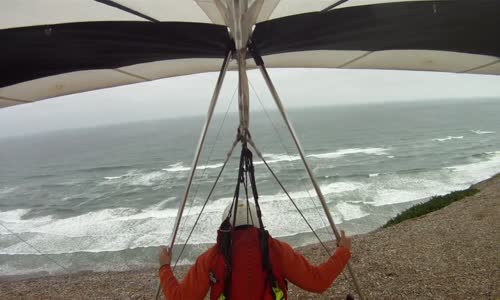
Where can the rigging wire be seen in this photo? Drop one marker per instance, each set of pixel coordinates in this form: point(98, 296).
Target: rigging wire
point(305, 187)
point(327, 250)
point(36, 249)
point(289, 156)
point(209, 156)
point(249, 272)
point(330, 7)
point(288, 195)
point(202, 174)
point(206, 162)
point(296, 207)
point(206, 201)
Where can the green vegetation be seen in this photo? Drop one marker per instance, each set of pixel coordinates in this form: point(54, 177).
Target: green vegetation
point(435, 203)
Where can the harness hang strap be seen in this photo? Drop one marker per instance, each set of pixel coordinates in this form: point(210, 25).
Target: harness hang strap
point(241, 173)
point(227, 229)
point(263, 234)
point(246, 169)
point(251, 171)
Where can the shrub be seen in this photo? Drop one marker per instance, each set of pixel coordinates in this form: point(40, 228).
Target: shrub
point(435, 203)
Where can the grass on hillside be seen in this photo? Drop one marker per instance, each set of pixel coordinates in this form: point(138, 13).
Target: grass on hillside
point(435, 203)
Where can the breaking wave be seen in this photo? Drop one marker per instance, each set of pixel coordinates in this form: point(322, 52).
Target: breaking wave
point(482, 132)
point(137, 178)
point(180, 167)
point(177, 167)
point(118, 229)
point(448, 138)
point(105, 168)
point(276, 158)
point(127, 228)
point(7, 190)
point(344, 152)
point(272, 158)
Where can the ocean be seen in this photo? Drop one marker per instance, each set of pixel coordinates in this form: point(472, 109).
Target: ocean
point(104, 198)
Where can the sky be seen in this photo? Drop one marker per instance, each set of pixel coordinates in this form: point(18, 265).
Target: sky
point(190, 95)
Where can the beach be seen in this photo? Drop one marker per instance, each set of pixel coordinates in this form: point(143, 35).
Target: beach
point(451, 253)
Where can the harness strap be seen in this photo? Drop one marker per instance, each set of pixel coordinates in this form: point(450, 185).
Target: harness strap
point(263, 234)
point(226, 229)
point(246, 171)
point(225, 248)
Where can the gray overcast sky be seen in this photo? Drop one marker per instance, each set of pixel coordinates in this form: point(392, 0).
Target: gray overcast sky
point(190, 95)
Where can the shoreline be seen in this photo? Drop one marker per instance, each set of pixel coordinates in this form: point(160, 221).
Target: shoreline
point(448, 253)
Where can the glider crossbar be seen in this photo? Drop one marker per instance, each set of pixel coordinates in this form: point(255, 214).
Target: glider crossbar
point(201, 142)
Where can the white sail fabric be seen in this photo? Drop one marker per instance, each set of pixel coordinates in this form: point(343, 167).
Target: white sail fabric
point(283, 33)
point(22, 13)
point(81, 81)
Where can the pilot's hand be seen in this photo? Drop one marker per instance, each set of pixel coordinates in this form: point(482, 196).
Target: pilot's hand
point(165, 256)
point(344, 240)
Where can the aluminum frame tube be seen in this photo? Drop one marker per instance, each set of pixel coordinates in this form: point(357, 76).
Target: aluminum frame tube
point(199, 148)
point(201, 142)
point(279, 104)
point(243, 94)
point(228, 157)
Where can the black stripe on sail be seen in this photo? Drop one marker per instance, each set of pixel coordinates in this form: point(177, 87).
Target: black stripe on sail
point(460, 26)
point(34, 52)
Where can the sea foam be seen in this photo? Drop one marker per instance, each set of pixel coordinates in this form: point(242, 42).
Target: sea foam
point(410, 187)
point(350, 151)
point(137, 178)
point(7, 190)
point(448, 138)
point(276, 158)
point(177, 167)
point(180, 167)
point(482, 131)
point(116, 229)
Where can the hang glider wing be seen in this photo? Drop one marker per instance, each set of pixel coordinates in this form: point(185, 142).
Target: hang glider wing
point(59, 47)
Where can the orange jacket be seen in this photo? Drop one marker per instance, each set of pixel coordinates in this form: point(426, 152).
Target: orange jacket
point(294, 266)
